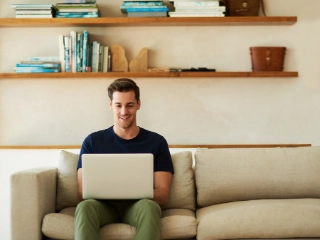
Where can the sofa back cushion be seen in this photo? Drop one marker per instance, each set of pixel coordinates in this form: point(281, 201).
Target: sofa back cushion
point(182, 189)
point(182, 193)
point(67, 182)
point(228, 175)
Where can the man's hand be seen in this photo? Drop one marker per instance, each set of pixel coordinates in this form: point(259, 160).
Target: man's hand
point(162, 186)
point(80, 184)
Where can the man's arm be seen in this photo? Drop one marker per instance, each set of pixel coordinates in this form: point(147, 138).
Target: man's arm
point(80, 184)
point(162, 186)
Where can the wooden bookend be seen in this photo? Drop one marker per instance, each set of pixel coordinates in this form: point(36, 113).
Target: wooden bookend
point(140, 62)
point(119, 60)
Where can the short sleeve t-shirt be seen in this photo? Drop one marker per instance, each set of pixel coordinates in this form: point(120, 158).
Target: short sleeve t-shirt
point(106, 141)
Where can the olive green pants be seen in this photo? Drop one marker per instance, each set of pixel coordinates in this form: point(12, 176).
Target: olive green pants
point(92, 214)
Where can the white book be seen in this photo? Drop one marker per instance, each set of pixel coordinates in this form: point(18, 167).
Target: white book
point(73, 35)
point(33, 11)
point(38, 6)
point(44, 59)
point(222, 8)
point(195, 14)
point(105, 59)
point(194, 3)
point(34, 16)
point(61, 53)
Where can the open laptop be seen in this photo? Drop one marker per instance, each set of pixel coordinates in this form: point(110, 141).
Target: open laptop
point(117, 176)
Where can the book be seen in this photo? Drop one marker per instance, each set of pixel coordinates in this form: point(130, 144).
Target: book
point(216, 9)
point(44, 59)
point(80, 1)
point(195, 14)
point(89, 58)
point(76, 10)
point(39, 65)
point(34, 70)
point(142, 3)
point(34, 6)
point(196, 3)
point(66, 40)
point(78, 53)
point(34, 16)
point(95, 56)
point(147, 14)
point(149, 9)
point(61, 52)
point(101, 55)
point(76, 15)
point(33, 11)
point(73, 36)
point(105, 59)
point(124, 8)
point(85, 37)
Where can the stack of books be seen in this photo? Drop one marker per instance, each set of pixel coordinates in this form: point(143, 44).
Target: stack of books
point(33, 10)
point(78, 55)
point(38, 66)
point(150, 8)
point(77, 9)
point(209, 8)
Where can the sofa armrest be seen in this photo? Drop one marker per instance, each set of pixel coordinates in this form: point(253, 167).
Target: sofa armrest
point(33, 195)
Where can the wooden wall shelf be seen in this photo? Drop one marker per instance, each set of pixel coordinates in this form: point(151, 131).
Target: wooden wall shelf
point(77, 76)
point(172, 146)
point(147, 21)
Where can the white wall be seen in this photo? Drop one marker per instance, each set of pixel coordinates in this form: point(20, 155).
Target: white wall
point(184, 110)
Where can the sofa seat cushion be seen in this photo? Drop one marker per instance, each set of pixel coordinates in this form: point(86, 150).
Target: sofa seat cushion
point(175, 224)
point(279, 218)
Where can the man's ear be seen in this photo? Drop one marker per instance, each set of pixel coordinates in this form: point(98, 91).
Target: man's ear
point(110, 104)
point(139, 104)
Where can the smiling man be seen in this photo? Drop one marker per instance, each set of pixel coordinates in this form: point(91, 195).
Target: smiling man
point(125, 136)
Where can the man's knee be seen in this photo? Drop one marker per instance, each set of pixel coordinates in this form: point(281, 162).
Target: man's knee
point(147, 206)
point(86, 206)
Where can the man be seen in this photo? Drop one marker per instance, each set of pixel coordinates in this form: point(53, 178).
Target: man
point(125, 137)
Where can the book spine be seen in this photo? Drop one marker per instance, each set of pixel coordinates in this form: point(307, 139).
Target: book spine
point(89, 58)
point(109, 61)
point(67, 53)
point(164, 9)
point(78, 53)
point(73, 35)
point(61, 53)
point(105, 59)
point(84, 52)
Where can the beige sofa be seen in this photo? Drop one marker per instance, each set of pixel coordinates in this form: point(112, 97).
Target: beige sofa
point(230, 194)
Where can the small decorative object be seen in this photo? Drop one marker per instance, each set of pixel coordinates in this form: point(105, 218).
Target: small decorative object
point(119, 60)
point(140, 62)
point(244, 7)
point(267, 58)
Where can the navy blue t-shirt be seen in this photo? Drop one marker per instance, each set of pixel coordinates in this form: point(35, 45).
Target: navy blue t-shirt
point(106, 141)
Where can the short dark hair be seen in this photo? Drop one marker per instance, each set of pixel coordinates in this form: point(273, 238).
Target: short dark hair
point(124, 85)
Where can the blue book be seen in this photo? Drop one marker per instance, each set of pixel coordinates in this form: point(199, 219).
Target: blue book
point(48, 65)
point(142, 3)
point(37, 70)
point(66, 53)
point(73, 35)
point(149, 9)
point(78, 61)
point(84, 51)
point(77, 16)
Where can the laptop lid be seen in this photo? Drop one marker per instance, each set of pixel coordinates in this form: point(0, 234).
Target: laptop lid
point(117, 176)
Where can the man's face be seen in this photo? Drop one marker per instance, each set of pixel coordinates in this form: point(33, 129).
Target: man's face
point(124, 106)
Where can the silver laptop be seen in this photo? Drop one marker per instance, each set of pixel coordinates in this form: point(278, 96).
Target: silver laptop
point(117, 176)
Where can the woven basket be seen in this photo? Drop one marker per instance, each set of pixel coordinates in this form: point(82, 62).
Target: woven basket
point(267, 58)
